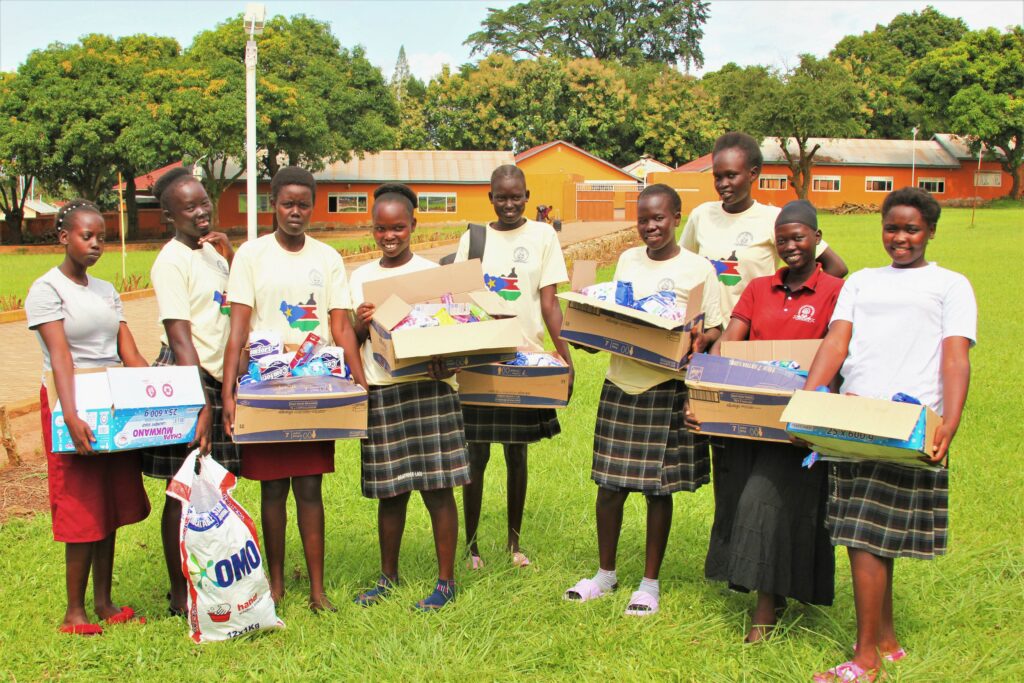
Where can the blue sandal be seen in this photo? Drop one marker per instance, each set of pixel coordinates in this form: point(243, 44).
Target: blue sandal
point(377, 593)
point(444, 592)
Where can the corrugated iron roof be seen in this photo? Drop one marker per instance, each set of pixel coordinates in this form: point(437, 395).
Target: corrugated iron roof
point(698, 165)
point(863, 152)
point(526, 154)
point(644, 165)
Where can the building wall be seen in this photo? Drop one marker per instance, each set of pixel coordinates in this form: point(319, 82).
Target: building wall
point(958, 183)
point(693, 188)
point(564, 160)
point(471, 204)
point(557, 190)
point(151, 224)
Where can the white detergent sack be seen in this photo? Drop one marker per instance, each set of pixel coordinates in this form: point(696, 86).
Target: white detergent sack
point(228, 592)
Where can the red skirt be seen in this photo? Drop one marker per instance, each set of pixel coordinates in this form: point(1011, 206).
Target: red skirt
point(91, 496)
point(269, 461)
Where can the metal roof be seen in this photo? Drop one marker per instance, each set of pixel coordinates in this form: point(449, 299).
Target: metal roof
point(644, 165)
point(863, 152)
point(537, 149)
point(698, 165)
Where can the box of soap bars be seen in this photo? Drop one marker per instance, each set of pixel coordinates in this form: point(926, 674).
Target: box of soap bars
point(532, 379)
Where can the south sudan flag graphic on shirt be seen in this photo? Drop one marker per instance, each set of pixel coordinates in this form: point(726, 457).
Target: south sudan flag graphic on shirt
point(505, 286)
point(222, 301)
point(727, 269)
point(301, 316)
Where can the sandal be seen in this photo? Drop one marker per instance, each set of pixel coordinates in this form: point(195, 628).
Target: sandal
point(894, 656)
point(847, 672)
point(475, 562)
point(444, 593)
point(641, 604)
point(124, 616)
point(377, 593)
point(82, 629)
point(520, 560)
point(585, 590)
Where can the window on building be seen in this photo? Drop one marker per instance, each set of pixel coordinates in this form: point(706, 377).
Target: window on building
point(933, 185)
point(437, 202)
point(262, 203)
point(878, 184)
point(346, 202)
point(988, 179)
point(825, 183)
point(773, 182)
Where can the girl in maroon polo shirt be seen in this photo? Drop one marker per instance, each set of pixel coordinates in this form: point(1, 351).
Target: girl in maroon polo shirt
point(772, 537)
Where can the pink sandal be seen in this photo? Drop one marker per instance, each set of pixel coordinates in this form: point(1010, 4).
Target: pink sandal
point(642, 604)
point(585, 590)
point(520, 560)
point(894, 656)
point(847, 672)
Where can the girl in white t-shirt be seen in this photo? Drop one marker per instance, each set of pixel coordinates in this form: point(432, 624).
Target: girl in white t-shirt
point(523, 264)
point(905, 328)
point(641, 443)
point(415, 439)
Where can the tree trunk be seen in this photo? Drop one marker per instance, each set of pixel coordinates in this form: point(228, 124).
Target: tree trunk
point(131, 207)
point(14, 220)
point(271, 160)
point(1015, 173)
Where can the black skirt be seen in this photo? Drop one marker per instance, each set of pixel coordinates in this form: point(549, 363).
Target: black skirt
point(494, 424)
point(769, 530)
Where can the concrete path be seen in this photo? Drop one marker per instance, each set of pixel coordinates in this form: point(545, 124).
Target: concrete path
point(23, 365)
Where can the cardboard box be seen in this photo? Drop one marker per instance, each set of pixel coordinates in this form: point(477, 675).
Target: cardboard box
point(735, 395)
point(843, 427)
point(514, 385)
point(407, 352)
point(300, 409)
point(130, 408)
point(624, 331)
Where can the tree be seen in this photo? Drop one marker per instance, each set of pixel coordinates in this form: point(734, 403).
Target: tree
point(975, 88)
point(676, 118)
point(816, 99)
point(632, 31)
point(21, 152)
point(409, 93)
point(879, 60)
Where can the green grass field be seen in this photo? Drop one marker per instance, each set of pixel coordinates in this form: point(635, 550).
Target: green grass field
point(957, 616)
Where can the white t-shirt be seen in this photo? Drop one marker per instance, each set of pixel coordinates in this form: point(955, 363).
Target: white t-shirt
point(368, 272)
point(92, 316)
point(517, 264)
point(191, 285)
point(289, 292)
point(679, 274)
point(740, 246)
point(900, 317)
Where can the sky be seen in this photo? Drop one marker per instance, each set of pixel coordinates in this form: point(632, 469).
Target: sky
point(747, 32)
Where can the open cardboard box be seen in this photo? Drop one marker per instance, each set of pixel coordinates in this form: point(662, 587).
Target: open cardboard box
point(843, 427)
point(407, 352)
point(497, 384)
point(735, 395)
point(130, 408)
point(624, 331)
point(300, 409)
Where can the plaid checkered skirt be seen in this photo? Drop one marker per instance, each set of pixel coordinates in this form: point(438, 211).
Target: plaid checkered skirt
point(640, 443)
point(498, 424)
point(415, 440)
point(165, 461)
point(888, 510)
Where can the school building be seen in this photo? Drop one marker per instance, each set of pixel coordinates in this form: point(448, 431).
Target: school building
point(857, 171)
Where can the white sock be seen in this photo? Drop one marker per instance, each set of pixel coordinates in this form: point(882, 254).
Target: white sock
point(651, 587)
point(605, 579)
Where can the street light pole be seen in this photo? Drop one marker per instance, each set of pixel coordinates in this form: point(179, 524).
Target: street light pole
point(254, 18)
point(913, 158)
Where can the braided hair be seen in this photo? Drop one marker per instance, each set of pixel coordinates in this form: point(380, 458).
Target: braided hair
point(62, 222)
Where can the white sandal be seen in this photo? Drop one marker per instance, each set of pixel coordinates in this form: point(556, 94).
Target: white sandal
point(585, 590)
point(642, 604)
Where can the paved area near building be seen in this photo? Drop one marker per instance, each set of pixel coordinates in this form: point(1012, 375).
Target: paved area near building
point(23, 365)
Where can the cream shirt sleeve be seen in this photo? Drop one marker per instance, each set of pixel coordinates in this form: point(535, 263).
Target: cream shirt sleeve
point(553, 270)
point(241, 286)
point(339, 296)
point(170, 282)
point(43, 304)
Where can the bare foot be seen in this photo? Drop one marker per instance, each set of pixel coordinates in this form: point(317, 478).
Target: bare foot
point(321, 603)
point(75, 616)
point(106, 610)
point(276, 596)
point(759, 632)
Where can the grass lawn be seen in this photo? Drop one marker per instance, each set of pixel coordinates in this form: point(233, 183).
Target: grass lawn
point(958, 616)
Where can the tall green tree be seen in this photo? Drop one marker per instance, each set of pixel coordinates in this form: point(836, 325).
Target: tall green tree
point(632, 31)
point(676, 118)
point(409, 93)
point(22, 149)
point(975, 88)
point(817, 99)
point(879, 61)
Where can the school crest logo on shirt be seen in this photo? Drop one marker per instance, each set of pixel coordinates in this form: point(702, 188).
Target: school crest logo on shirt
point(666, 285)
point(744, 239)
point(301, 316)
point(805, 314)
point(316, 278)
point(221, 298)
point(520, 255)
point(505, 286)
point(727, 269)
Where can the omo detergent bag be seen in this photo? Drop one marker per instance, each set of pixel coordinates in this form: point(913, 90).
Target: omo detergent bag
point(228, 592)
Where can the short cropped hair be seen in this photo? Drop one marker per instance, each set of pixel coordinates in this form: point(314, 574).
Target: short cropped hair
point(916, 198)
point(674, 202)
point(743, 142)
point(292, 175)
point(508, 171)
point(395, 192)
point(164, 183)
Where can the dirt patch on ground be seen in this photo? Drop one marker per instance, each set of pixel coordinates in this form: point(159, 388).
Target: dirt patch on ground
point(23, 489)
point(604, 250)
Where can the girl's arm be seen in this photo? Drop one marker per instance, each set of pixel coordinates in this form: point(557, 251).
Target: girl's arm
point(738, 330)
point(832, 263)
point(956, 378)
point(64, 379)
point(179, 337)
point(361, 321)
point(127, 350)
point(345, 337)
point(551, 311)
point(221, 243)
point(241, 316)
point(830, 356)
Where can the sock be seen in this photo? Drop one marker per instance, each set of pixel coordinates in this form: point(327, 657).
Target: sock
point(605, 579)
point(651, 587)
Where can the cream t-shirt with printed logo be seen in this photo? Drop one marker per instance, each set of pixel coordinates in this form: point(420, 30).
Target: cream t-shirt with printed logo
point(191, 285)
point(517, 264)
point(289, 292)
point(740, 246)
point(679, 274)
point(369, 272)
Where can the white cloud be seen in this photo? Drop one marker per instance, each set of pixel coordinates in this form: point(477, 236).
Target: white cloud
point(426, 65)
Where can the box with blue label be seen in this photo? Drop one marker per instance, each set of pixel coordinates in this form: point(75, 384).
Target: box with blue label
point(843, 427)
point(740, 395)
point(130, 408)
point(524, 386)
point(300, 409)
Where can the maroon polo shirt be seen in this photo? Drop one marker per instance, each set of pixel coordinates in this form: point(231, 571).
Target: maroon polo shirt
point(775, 312)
